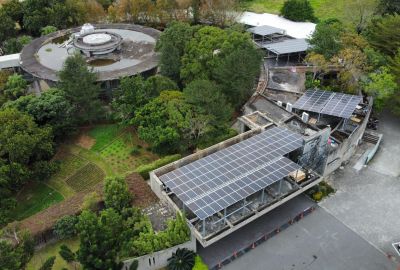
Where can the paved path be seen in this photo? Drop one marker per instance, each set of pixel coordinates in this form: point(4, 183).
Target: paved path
point(319, 241)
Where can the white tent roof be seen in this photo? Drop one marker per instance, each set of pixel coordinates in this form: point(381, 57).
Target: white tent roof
point(9, 61)
point(293, 29)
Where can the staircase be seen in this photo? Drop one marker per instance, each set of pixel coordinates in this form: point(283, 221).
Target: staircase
point(370, 137)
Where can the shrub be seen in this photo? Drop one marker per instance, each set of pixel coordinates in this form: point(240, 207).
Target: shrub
point(182, 259)
point(116, 193)
point(135, 151)
point(48, 264)
point(144, 170)
point(48, 30)
point(91, 201)
point(199, 264)
point(134, 265)
point(65, 227)
point(298, 10)
point(317, 196)
point(67, 254)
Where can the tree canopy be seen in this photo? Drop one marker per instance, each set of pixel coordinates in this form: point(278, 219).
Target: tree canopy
point(298, 11)
point(116, 193)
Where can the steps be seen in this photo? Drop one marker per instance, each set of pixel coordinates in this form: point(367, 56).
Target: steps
point(370, 137)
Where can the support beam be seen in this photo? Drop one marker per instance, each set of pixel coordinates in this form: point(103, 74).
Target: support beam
point(280, 186)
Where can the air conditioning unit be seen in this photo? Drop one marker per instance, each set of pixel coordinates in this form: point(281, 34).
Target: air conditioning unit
point(279, 103)
point(305, 116)
point(289, 107)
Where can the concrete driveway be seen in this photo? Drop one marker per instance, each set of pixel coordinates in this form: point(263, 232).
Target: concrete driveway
point(368, 201)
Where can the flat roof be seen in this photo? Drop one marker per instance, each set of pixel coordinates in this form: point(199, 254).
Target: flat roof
point(293, 29)
point(9, 60)
point(219, 180)
point(288, 46)
point(329, 103)
point(266, 30)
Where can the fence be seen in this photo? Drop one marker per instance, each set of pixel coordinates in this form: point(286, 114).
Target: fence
point(262, 239)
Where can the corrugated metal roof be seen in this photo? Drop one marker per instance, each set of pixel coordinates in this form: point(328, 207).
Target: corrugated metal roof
point(288, 46)
point(266, 30)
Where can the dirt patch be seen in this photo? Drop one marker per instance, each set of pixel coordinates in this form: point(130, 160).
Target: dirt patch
point(143, 196)
point(85, 141)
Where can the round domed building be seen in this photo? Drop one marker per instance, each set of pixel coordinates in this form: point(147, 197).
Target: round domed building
point(112, 50)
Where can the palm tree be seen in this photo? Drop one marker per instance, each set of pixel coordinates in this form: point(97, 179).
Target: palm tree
point(182, 259)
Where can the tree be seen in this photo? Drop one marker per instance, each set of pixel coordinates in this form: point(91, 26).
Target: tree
point(99, 240)
point(360, 13)
point(65, 227)
point(182, 259)
point(14, 9)
point(298, 11)
point(382, 34)
point(50, 108)
point(389, 7)
point(79, 85)
point(163, 121)
point(209, 100)
point(221, 13)
point(67, 254)
point(326, 38)
point(16, 254)
point(7, 27)
point(15, 45)
point(25, 150)
point(48, 30)
point(381, 85)
point(48, 264)
point(15, 87)
point(134, 92)
point(116, 193)
point(171, 46)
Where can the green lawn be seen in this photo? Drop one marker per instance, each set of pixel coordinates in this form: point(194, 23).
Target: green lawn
point(34, 198)
point(103, 134)
point(323, 8)
point(52, 250)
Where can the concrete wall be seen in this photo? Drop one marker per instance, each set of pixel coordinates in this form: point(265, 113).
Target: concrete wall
point(349, 146)
point(159, 259)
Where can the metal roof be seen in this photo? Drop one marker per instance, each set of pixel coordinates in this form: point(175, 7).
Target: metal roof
point(266, 30)
point(288, 46)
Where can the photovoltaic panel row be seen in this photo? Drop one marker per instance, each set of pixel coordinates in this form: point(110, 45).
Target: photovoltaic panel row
point(313, 101)
point(341, 105)
point(218, 169)
point(244, 186)
point(330, 103)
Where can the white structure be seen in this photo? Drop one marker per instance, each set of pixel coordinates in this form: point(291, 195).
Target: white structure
point(9, 61)
point(293, 29)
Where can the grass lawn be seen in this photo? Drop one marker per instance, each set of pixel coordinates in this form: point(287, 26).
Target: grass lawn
point(104, 134)
point(323, 9)
point(34, 198)
point(52, 250)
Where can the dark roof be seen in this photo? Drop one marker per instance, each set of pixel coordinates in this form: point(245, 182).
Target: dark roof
point(266, 30)
point(288, 46)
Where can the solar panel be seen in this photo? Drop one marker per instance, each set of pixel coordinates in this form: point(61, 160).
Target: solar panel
point(224, 177)
point(342, 105)
point(330, 103)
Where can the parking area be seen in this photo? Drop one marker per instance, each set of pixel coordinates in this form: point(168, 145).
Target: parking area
point(319, 241)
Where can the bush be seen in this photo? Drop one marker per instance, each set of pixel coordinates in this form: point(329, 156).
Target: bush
point(135, 151)
point(182, 259)
point(91, 201)
point(144, 170)
point(65, 227)
point(48, 30)
point(317, 196)
point(67, 254)
point(134, 265)
point(199, 264)
point(48, 264)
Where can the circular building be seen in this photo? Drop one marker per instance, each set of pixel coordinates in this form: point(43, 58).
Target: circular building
point(112, 50)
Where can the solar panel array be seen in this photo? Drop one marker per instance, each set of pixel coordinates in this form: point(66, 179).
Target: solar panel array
point(330, 103)
point(210, 184)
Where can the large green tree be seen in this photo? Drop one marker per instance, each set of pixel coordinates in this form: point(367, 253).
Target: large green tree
point(134, 92)
point(15, 87)
point(15, 254)
point(116, 193)
point(172, 45)
point(383, 34)
point(81, 89)
point(14, 9)
point(99, 240)
point(51, 108)
point(7, 27)
point(298, 11)
point(326, 38)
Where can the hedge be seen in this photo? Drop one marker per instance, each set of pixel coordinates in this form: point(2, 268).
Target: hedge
point(144, 170)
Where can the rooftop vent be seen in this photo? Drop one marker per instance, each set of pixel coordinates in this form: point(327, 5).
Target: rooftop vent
point(279, 103)
point(305, 116)
point(289, 107)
